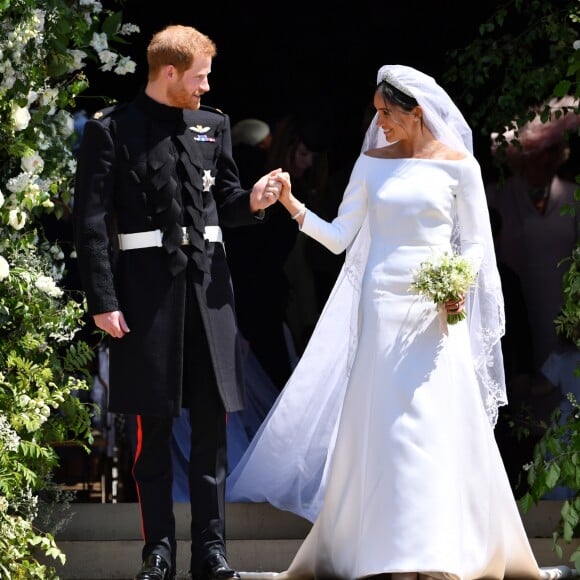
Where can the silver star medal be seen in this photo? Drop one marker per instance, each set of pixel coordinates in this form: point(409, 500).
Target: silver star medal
point(208, 179)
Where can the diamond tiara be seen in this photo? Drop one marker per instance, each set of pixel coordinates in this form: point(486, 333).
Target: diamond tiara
point(390, 78)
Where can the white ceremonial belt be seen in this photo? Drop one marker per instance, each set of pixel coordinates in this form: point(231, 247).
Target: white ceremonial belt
point(140, 240)
point(213, 234)
point(154, 238)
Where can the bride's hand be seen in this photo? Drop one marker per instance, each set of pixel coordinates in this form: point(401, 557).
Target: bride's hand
point(455, 306)
point(295, 207)
point(283, 179)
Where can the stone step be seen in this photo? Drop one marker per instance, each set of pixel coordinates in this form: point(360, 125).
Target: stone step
point(119, 559)
point(121, 521)
point(103, 541)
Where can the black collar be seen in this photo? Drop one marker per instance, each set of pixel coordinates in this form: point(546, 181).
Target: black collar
point(158, 110)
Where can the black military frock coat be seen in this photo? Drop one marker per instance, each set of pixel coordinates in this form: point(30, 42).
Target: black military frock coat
point(146, 166)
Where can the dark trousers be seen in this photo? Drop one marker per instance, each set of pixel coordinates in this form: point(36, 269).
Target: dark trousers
point(152, 469)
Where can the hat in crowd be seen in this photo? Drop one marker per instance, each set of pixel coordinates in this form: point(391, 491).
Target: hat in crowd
point(249, 132)
point(538, 134)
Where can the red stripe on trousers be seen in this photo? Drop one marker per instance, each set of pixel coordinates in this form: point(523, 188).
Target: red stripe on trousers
point(137, 454)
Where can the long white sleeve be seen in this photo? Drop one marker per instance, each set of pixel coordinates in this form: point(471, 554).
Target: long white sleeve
point(472, 214)
point(338, 234)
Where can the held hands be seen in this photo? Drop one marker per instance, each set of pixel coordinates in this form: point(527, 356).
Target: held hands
point(276, 186)
point(285, 196)
point(295, 207)
point(113, 323)
point(265, 191)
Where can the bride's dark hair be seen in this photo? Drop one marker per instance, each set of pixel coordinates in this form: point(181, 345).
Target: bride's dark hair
point(392, 94)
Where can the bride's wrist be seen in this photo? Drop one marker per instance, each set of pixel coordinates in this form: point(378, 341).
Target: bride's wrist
point(297, 211)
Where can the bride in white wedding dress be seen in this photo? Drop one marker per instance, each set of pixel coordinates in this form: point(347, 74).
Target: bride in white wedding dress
point(383, 436)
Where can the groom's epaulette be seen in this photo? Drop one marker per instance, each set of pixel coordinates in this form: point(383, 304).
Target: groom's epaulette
point(211, 109)
point(107, 111)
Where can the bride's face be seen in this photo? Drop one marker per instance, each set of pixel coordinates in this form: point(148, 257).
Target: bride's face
point(395, 122)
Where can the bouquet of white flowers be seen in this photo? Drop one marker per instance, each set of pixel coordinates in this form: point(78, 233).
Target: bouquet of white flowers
point(443, 278)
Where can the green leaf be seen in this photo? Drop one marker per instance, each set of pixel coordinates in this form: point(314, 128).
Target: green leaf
point(526, 502)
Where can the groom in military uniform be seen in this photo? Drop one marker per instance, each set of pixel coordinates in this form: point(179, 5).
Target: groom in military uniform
point(155, 181)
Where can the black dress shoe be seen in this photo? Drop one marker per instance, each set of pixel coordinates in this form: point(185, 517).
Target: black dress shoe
point(154, 568)
point(217, 568)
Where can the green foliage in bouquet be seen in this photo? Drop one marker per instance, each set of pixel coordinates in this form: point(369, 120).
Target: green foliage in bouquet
point(443, 278)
